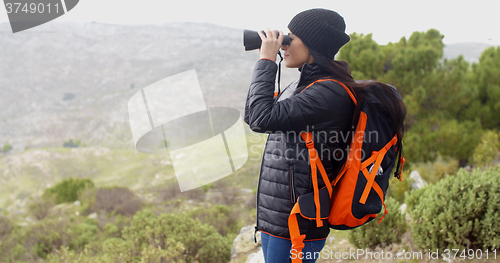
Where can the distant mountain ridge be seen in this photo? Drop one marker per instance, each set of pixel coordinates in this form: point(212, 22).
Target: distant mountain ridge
point(66, 80)
point(71, 80)
point(471, 51)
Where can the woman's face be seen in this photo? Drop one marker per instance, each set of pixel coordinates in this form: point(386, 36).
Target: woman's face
point(296, 54)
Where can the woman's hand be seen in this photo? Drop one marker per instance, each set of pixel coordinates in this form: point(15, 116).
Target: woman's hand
point(270, 44)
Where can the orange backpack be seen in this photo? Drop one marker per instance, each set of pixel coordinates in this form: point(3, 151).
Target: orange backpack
point(356, 195)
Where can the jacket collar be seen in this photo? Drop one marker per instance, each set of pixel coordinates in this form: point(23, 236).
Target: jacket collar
point(309, 73)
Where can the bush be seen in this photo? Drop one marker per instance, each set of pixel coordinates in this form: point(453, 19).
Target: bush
point(457, 139)
point(196, 194)
point(487, 151)
point(113, 225)
point(449, 138)
point(6, 148)
point(225, 193)
point(434, 171)
point(71, 144)
point(168, 193)
point(202, 243)
point(6, 227)
point(10, 249)
point(223, 218)
point(172, 192)
point(68, 190)
point(397, 189)
point(119, 250)
point(116, 253)
point(459, 211)
point(389, 231)
point(82, 233)
point(151, 238)
point(119, 200)
point(40, 207)
point(37, 241)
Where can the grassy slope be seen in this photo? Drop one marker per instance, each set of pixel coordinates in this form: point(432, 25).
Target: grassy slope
point(30, 172)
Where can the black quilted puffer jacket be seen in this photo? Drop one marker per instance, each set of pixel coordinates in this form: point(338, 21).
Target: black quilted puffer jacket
point(326, 110)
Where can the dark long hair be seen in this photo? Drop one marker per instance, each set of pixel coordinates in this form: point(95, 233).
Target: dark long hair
point(391, 101)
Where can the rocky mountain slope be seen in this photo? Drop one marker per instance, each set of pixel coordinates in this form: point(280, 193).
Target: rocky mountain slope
point(65, 81)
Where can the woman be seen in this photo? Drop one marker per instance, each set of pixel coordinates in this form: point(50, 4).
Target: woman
point(325, 109)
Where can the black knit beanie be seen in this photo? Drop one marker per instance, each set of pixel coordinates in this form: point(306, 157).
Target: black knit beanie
point(321, 30)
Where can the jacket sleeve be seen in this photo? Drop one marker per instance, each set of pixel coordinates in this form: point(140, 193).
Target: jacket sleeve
point(319, 107)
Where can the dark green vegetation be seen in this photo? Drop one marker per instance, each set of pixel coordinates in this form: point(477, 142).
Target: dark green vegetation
point(390, 230)
point(71, 144)
point(6, 148)
point(113, 224)
point(460, 211)
point(450, 103)
point(68, 190)
point(86, 218)
point(452, 122)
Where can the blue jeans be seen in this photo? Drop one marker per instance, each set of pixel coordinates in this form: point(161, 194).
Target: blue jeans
point(277, 250)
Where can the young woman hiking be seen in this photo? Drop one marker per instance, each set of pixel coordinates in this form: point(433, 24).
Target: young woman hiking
point(325, 109)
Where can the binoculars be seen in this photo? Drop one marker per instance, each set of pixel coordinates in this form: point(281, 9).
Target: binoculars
point(251, 39)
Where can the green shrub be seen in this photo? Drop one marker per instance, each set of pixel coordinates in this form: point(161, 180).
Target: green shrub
point(113, 225)
point(43, 237)
point(10, 249)
point(34, 242)
point(457, 139)
point(434, 171)
point(82, 233)
point(448, 138)
point(202, 243)
point(64, 254)
point(486, 151)
point(223, 218)
point(228, 193)
point(68, 190)
point(141, 246)
point(119, 250)
point(6, 148)
point(397, 189)
point(111, 230)
point(207, 187)
point(71, 144)
point(459, 211)
point(6, 227)
point(40, 207)
point(389, 231)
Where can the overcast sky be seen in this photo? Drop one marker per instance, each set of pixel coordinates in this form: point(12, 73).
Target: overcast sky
point(388, 20)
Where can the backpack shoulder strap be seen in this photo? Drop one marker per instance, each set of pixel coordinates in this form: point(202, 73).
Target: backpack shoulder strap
point(349, 90)
point(314, 159)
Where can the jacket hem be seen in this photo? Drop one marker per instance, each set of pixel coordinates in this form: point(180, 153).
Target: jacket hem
point(316, 239)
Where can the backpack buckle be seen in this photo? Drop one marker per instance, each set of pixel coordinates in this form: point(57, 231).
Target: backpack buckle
point(310, 145)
